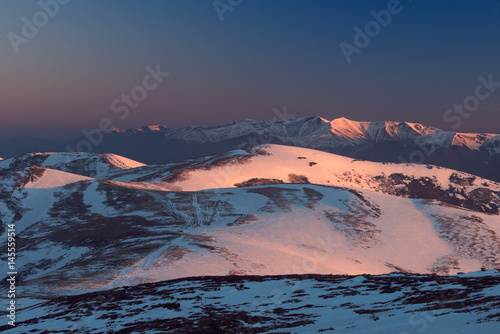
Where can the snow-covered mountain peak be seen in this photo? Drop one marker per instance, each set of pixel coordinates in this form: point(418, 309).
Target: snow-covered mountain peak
point(304, 131)
point(474, 141)
point(95, 165)
point(422, 129)
point(45, 178)
point(323, 119)
point(144, 129)
point(380, 130)
point(344, 127)
point(390, 141)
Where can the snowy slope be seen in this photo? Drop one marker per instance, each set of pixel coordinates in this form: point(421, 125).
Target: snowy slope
point(274, 210)
point(51, 178)
point(97, 165)
point(283, 164)
point(120, 235)
point(320, 230)
point(277, 162)
point(280, 304)
point(235, 213)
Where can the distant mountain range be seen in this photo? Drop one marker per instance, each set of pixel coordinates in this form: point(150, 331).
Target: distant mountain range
point(380, 141)
point(385, 141)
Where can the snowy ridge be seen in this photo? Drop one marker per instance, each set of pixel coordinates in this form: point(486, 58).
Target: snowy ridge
point(144, 129)
point(271, 164)
point(293, 304)
point(379, 131)
point(96, 165)
point(302, 132)
point(51, 178)
point(475, 141)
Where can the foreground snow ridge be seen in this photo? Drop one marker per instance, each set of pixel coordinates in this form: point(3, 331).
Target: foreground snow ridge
point(394, 303)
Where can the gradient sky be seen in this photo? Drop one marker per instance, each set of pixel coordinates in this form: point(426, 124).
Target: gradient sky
point(265, 54)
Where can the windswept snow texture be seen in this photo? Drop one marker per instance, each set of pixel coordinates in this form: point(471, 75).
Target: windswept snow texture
point(393, 303)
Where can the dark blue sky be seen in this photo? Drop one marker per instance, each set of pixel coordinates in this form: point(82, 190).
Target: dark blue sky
point(265, 54)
